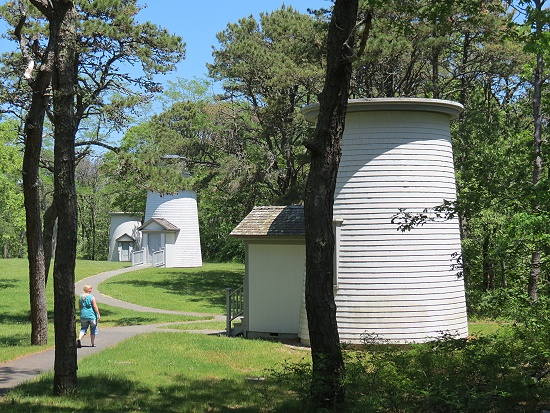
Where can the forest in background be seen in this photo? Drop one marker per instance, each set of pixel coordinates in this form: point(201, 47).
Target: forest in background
point(245, 145)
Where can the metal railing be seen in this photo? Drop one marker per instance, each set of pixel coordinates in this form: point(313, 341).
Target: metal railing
point(157, 258)
point(138, 257)
point(234, 301)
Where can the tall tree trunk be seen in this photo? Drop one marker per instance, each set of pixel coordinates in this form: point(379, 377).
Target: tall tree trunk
point(63, 86)
point(50, 217)
point(21, 241)
point(462, 215)
point(488, 269)
point(94, 232)
point(328, 366)
point(534, 274)
point(436, 51)
point(33, 131)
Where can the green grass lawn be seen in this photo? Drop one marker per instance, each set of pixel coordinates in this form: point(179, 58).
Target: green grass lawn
point(170, 372)
point(480, 327)
point(15, 308)
point(160, 372)
point(182, 289)
point(164, 371)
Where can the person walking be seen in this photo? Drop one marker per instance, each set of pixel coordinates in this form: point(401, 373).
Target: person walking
point(89, 315)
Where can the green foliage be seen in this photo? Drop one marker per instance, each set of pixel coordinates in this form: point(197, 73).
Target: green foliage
point(111, 40)
point(240, 152)
point(12, 213)
point(501, 372)
point(428, 48)
point(276, 66)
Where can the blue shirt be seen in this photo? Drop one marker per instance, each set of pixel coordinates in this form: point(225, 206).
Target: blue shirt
point(87, 310)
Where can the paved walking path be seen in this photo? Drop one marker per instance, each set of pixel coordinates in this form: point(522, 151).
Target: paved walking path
point(15, 372)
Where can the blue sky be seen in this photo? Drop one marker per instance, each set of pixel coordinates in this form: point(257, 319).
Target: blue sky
point(197, 22)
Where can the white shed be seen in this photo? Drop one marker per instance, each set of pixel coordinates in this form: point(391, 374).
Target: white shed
point(275, 266)
point(124, 236)
point(397, 286)
point(172, 224)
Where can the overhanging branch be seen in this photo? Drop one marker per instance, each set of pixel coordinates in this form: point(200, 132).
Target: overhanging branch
point(115, 149)
point(366, 24)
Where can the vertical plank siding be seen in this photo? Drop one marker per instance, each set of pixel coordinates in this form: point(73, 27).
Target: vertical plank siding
point(274, 299)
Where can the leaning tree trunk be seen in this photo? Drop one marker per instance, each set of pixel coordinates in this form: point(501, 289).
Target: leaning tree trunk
point(63, 86)
point(328, 366)
point(33, 131)
point(50, 218)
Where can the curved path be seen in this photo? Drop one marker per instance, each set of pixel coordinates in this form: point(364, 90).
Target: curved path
point(15, 372)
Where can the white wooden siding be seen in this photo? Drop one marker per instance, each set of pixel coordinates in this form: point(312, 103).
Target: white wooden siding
point(275, 290)
point(181, 210)
point(123, 223)
point(399, 286)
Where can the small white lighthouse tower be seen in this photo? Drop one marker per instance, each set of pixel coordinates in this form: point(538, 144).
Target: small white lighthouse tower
point(398, 286)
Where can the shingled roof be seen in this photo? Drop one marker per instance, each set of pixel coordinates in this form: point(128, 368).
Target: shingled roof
point(272, 220)
point(163, 223)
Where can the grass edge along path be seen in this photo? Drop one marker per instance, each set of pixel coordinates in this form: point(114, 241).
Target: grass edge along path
point(198, 290)
point(179, 372)
point(14, 307)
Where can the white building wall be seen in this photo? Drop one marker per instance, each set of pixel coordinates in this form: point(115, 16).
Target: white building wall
point(170, 252)
point(123, 223)
point(181, 210)
point(275, 290)
point(397, 285)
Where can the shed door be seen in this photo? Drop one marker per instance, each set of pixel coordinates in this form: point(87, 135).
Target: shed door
point(124, 251)
point(154, 243)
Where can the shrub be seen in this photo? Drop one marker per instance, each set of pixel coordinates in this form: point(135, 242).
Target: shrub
point(502, 372)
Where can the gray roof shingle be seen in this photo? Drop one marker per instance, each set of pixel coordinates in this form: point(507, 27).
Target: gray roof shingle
point(272, 220)
point(164, 224)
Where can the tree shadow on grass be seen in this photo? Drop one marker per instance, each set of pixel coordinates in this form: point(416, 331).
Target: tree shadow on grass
point(121, 319)
point(115, 319)
point(14, 340)
point(9, 283)
point(104, 394)
point(22, 317)
point(201, 285)
point(95, 394)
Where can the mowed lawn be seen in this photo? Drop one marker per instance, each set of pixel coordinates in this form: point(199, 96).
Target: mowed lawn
point(199, 290)
point(171, 372)
point(158, 372)
point(165, 371)
point(15, 324)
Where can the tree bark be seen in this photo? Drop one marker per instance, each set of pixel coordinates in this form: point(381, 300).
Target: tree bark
point(63, 87)
point(33, 132)
point(488, 268)
point(534, 273)
point(50, 218)
point(328, 366)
